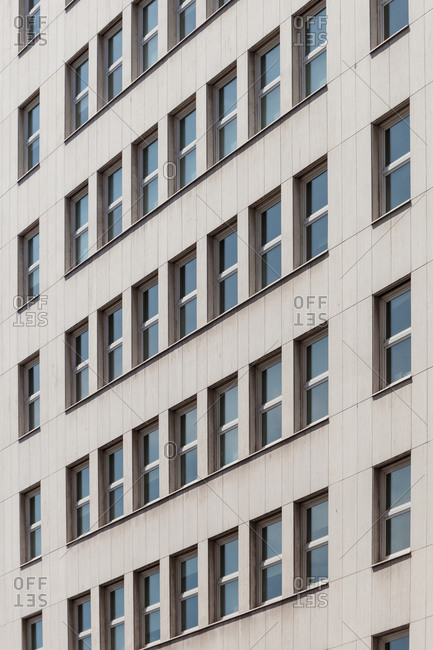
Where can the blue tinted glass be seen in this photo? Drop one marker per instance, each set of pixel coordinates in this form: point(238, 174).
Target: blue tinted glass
point(81, 77)
point(229, 599)
point(271, 540)
point(36, 634)
point(34, 414)
point(398, 314)
point(271, 383)
point(188, 427)
point(398, 361)
point(151, 586)
point(228, 138)
point(150, 300)
point(114, 186)
point(317, 237)
point(229, 446)
point(396, 16)
point(34, 381)
point(398, 644)
point(151, 447)
point(188, 317)
point(118, 637)
point(81, 212)
point(317, 521)
point(228, 251)
point(115, 82)
point(115, 325)
point(35, 508)
point(316, 31)
point(188, 466)
point(189, 575)
point(188, 278)
point(398, 187)
point(397, 140)
point(398, 487)
point(271, 425)
point(187, 21)
point(316, 74)
point(83, 483)
point(84, 613)
point(115, 363)
point(83, 519)
point(152, 627)
point(82, 384)
point(150, 341)
point(187, 130)
point(150, 196)
point(33, 120)
point(187, 168)
point(271, 266)
point(271, 582)
point(270, 66)
point(227, 98)
point(317, 402)
point(81, 247)
point(33, 250)
point(82, 347)
point(271, 224)
point(35, 543)
point(189, 613)
point(115, 47)
point(317, 564)
point(116, 466)
point(116, 503)
point(229, 558)
point(151, 485)
point(33, 153)
point(150, 158)
point(82, 111)
point(317, 193)
point(270, 107)
point(398, 533)
point(150, 16)
point(317, 358)
point(150, 52)
point(229, 292)
point(229, 406)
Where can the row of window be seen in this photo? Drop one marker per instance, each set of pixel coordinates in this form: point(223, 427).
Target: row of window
point(392, 530)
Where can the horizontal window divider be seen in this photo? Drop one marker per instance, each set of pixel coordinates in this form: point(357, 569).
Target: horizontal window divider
point(397, 338)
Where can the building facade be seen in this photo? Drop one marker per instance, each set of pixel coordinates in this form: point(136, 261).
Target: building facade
point(215, 323)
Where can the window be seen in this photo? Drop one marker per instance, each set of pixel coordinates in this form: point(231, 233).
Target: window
point(80, 227)
point(114, 469)
point(151, 606)
point(395, 507)
point(394, 15)
point(114, 62)
point(187, 445)
point(114, 343)
point(269, 86)
point(221, 3)
point(116, 617)
point(396, 336)
point(34, 639)
point(149, 321)
point(113, 210)
point(270, 401)
point(316, 379)
point(149, 40)
point(80, 82)
point(149, 182)
point(149, 459)
point(269, 560)
point(33, 20)
point(32, 392)
point(396, 641)
point(81, 624)
point(81, 491)
point(269, 230)
point(227, 425)
point(33, 524)
point(226, 118)
point(227, 562)
point(315, 42)
point(187, 590)
point(31, 257)
point(227, 277)
point(187, 148)
point(81, 364)
point(187, 302)
point(316, 214)
point(32, 135)
point(396, 163)
point(186, 11)
point(315, 544)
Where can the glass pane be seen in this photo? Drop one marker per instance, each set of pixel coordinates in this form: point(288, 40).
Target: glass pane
point(397, 140)
point(317, 564)
point(36, 635)
point(81, 347)
point(81, 111)
point(151, 485)
point(115, 464)
point(151, 589)
point(398, 533)
point(398, 487)
point(271, 266)
point(398, 314)
point(114, 223)
point(33, 250)
point(227, 98)
point(229, 558)
point(229, 598)
point(115, 48)
point(34, 415)
point(189, 613)
point(150, 52)
point(317, 358)
point(271, 425)
point(33, 121)
point(188, 467)
point(187, 168)
point(188, 278)
point(114, 186)
point(188, 427)
point(316, 29)
point(115, 503)
point(81, 212)
point(315, 73)
point(85, 643)
point(271, 582)
point(317, 521)
point(187, 130)
point(33, 153)
point(115, 363)
point(150, 159)
point(271, 540)
point(35, 508)
point(398, 361)
point(189, 575)
point(34, 379)
point(151, 447)
point(229, 446)
point(150, 16)
point(229, 292)
point(317, 402)
point(270, 66)
point(150, 196)
point(317, 237)
point(84, 622)
point(150, 341)
point(83, 483)
point(228, 406)
point(33, 284)
point(83, 519)
point(35, 543)
point(398, 644)
point(228, 251)
point(187, 21)
point(81, 77)
point(317, 193)
point(270, 107)
point(81, 247)
point(150, 302)
point(117, 638)
point(228, 138)
point(398, 187)
point(271, 224)
point(114, 82)
point(152, 627)
point(115, 326)
point(82, 384)
point(396, 16)
point(271, 382)
point(34, 24)
point(188, 317)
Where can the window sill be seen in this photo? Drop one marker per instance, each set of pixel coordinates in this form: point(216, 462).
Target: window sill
point(313, 425)
point(402, 555)
point(384, 44)
point(309, 98)
point(399, 208)
point(28, 434)
point(28, 173)
point(29, 44)
point(31, 562)
point(28, 303)
point(322, 584)
point(69, 4)
point(393, 386)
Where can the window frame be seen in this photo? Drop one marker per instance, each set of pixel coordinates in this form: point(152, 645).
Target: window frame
point(317, 543)
point(398, 115)
point(221, 581)
point(221, 123)
point(109, 348)
point(185, 595)
point(262, 92)
point(262, 249)
point(28, 634)
point(85, 634)
point(77, 98)
point(30, 399)
point(28, 269)
point(78, 369)
point(307, 221)
point(150, 322)
point(387, 343)
point(229, 426)
point(146, 469)
point(392, 512)
point(146, 38)
point(110, 207)
point(267, 406)
point(76, 233)
point(392, 636)
point(308, 385)
point(190, 446)
point(79, 503)
point(109, 69)
point(381, 21)
point(193, 295)
point(222, 276)
point(111, 487)
point(32, 527)
point(30, 14)
point(314, 54)
point(148, 609)
point(30, 139)
point(182, 5)
point(147, 180)
point(182, 153)
point(261, 564)
point(113, 623)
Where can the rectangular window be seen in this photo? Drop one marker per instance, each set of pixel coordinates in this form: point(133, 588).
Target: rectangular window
point(227, 425)
point(149, 39)
point(315, 43)
point(116, 617)
point(396, 641)
point(114, 343)
point(81, 364)
point(187, 301)
point(269, 86)
point(270, 401)
point(114, 469)
point(315, 545)
point(149, 181)
point(187, 148)
point(269, 560)
point(396, 162)
point(114, 62)
point(149, 460)
point(227, 277)
point(32, 392)
point(31, 260)
point(227, 562)
point(394, 15)
point(31, 116)
point(395, 507)
point(149, 321)
point(34, 639)
point(316, 215)
point(226, 118)
point(151, 606)
point(269, 231)
point(80, 227)
point(396, 335)
point(316, 379)
point(113, 203)
point(82, 624)
point(187, 591)
point(187, 445)
point(81, 488)
point(33, 19)
point(186, 11)
point(80, 80)
point(33, 524)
